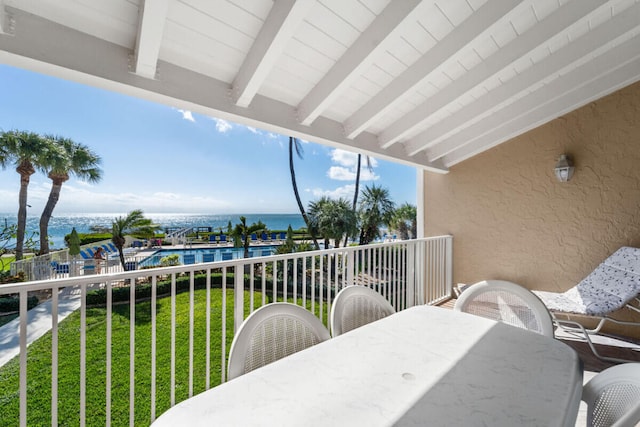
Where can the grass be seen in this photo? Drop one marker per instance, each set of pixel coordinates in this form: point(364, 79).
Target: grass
point(39, 362)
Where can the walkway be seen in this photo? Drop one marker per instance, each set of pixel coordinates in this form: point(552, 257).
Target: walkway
point(38, 323)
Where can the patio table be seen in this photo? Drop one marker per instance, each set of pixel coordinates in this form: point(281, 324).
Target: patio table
point(422, 366)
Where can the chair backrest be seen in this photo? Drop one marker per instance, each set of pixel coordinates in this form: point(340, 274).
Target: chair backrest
point(614, 283)
point(506, 302)
point(355, 306)
point(272, 332)
point(613, 397)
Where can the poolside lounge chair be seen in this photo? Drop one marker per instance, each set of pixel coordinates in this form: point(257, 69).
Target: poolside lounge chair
point(264, 237)
point(212, 238)
point(254, 238)
point(223, 238)
point(614, 285)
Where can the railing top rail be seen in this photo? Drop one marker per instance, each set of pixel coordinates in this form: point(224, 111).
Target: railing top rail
point(118, 276)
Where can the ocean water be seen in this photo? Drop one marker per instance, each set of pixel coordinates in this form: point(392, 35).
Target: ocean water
point(59, 226)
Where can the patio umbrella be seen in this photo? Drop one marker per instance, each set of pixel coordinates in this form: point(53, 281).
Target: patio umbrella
point(74, 250)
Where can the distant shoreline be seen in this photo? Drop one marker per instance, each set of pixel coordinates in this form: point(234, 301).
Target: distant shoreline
point(61, 225)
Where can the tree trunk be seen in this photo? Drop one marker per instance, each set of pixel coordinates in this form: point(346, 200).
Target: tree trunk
point(25, 169)
point(295, 191)
point(54, 196)
point(357, 190)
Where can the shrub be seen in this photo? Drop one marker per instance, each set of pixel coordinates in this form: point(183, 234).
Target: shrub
point(98, 297)
point(170, 260)
point(12, 303)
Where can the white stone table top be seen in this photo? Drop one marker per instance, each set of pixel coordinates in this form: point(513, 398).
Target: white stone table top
point(421, 366)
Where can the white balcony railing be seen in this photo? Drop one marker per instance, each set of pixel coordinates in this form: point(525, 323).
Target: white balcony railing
point(406, 272)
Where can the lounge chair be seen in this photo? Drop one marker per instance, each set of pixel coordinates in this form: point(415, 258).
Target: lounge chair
point(223, 238)
point(264, 237)
point(614, 285)
point(254, 238)
point(212, 238)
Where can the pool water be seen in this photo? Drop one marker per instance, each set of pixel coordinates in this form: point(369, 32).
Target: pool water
point(206, 254)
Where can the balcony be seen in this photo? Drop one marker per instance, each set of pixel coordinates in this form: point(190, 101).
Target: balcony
point(131, 362)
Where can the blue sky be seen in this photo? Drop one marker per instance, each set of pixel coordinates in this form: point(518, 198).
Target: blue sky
point(164, 160)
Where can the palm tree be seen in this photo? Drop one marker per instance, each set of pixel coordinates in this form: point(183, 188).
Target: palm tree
point(242, 230)
point(293, 142)
point(133, 224)
point(404, 221)
point(376, 209)
point(27, 150)
point(333, 219)
point(65, 157)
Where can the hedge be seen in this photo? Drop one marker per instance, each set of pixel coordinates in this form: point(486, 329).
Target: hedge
point(98, 297)
point(11, 304)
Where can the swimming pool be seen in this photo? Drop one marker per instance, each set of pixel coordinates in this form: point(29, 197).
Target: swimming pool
point(199, 255)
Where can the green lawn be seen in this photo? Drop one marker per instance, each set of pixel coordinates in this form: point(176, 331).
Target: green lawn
point(39, 362)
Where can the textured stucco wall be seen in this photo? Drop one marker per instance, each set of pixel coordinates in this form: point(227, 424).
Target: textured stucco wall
point(512, 220)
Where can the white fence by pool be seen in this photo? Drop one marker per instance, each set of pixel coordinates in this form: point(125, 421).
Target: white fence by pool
point(194, 310)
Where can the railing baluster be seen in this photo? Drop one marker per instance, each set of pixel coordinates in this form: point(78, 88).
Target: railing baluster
point(54, 357)
point(207, 374)
point(191, 329)
point(264, 283)
point(223, 340)
point(108, 352)
point(251, 288)
point(23, 357)
point(173, 339)
point(295, 280)
point(153, 347)
point(83, 354)
point(132, 350)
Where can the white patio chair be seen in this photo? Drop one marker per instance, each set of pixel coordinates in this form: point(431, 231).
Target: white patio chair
point(614, 285)
point(506, 302)
point(613, 397)
point(355, 306)
point(272, 332)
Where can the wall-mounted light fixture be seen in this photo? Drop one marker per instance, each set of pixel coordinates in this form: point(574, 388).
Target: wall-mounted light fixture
point(564, 168)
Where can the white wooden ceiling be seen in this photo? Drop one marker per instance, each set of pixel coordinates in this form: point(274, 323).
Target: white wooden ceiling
point(425, 83)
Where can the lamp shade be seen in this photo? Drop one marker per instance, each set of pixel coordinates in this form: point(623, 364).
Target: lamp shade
point(564, 168)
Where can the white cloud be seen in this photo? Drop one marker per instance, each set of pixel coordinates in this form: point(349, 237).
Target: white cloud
point(340, 173)
point(344, 158)
point(186, 114)
point(253, 130)
point(345, 191)
point(222, 126)
point(272, 135)
point(348, 164)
